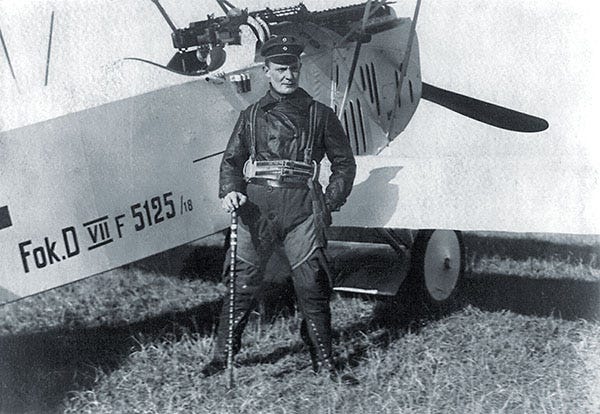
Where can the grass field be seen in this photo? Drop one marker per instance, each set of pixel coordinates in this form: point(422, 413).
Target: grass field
point(132, 340)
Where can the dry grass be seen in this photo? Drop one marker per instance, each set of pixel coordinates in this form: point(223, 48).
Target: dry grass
point(547, 256)
point(548, 268)
point(472, 361)
point(133, 340)
point(116, 298)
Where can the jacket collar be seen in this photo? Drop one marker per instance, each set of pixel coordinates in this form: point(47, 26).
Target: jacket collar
point(299, 98)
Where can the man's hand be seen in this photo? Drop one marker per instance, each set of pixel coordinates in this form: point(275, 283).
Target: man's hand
point(233, 201)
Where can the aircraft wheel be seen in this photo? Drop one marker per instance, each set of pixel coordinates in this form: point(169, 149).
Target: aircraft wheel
point(437, 267)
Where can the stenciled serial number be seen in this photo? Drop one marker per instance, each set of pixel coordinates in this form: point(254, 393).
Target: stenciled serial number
point(153, 211)
point(101, 231)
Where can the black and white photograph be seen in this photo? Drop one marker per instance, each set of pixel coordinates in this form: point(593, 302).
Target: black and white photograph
point(279, 206)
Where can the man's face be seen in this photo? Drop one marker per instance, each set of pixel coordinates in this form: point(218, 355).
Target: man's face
point(283, 78)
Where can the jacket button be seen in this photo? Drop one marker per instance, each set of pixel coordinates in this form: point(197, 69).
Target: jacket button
point(269, 189)
point(271, 216)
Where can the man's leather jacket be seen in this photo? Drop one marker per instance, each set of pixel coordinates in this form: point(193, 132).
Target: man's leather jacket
point(281, 129)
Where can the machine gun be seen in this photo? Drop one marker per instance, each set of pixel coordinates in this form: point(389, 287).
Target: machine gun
point(208, 38)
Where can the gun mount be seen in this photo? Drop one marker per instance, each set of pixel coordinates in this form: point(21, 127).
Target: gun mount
point(208, 38)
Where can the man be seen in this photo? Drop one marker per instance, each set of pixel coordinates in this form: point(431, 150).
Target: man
point(269, 174)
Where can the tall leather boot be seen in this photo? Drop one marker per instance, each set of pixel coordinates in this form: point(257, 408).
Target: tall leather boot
point(320, 354)
point(313, 292)
point(219, 360)
point(314, 359)
point(244, 304)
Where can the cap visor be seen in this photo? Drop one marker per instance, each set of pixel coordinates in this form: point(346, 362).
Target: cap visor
point(286, 59)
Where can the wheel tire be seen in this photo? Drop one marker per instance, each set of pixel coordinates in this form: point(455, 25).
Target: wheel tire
point(437, 268)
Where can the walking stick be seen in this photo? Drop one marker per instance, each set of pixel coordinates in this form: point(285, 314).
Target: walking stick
point(232, 275)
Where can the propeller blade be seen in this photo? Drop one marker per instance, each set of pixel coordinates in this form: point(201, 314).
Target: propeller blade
point(485, 112)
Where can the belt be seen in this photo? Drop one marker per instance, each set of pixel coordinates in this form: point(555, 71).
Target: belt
point(268, 182)
point(283, 171)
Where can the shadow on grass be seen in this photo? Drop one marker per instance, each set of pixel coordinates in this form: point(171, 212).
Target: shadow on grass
point(207, 263)
point(390, 320)
point(38, 370)
point(562, 298)
point(188, 261)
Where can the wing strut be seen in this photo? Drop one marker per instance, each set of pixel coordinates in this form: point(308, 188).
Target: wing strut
point(226, 6)
point(366, 15)
point(165, 15)
point(10, 66)
point(360, 26)
point(404, 67)
point(49, 49)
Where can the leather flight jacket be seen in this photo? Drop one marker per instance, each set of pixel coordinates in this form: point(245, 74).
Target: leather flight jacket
point(294, 128)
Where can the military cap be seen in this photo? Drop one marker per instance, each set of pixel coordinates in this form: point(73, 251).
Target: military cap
point(282, 49)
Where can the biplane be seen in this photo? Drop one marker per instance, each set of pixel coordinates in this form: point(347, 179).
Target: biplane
point(94, 189)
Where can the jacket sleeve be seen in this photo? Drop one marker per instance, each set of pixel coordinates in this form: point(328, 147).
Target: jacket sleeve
point(343, 166)
point(231, 177)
